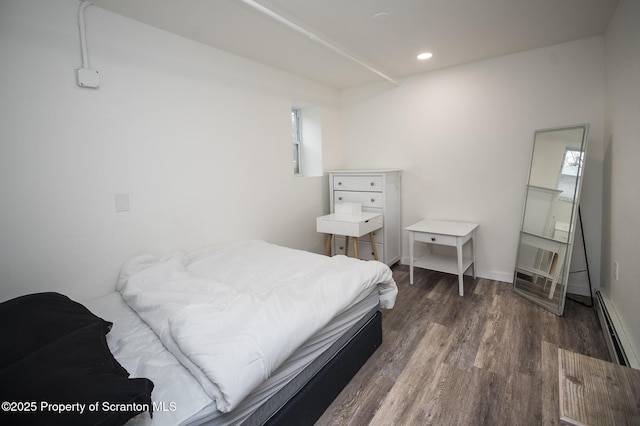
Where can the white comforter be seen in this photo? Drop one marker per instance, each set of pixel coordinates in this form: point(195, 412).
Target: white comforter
point(233, 313)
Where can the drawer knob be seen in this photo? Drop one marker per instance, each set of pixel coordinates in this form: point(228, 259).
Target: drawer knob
point(339, 183)
point(433, 238)
point(373, 184)
point(340, 198)
point(373, 200)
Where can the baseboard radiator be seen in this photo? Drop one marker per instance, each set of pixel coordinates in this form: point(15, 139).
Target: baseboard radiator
point(614, 342)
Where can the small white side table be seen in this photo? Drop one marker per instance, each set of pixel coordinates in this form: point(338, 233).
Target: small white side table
point(350, 225)
point(447, 233)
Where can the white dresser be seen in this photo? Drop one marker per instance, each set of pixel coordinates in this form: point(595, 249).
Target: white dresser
point(378, 191)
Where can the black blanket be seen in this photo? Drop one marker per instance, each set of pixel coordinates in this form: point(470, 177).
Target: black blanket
point(56, 367)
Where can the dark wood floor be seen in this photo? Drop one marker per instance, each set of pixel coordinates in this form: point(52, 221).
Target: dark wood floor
point(488, 358)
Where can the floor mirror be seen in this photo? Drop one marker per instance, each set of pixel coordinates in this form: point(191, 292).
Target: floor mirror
point(549, 218)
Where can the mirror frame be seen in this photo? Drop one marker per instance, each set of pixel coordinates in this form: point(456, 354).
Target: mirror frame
point(558, 308)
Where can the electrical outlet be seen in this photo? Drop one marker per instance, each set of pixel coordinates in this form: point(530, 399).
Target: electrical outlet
point(616, 267)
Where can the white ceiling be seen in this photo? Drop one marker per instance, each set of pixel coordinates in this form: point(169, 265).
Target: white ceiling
point(456, 31)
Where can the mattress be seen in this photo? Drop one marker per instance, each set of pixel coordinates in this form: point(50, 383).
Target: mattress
point(179, 399)
point(232, 313)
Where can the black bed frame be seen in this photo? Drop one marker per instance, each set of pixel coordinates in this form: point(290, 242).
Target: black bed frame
point(306, 406)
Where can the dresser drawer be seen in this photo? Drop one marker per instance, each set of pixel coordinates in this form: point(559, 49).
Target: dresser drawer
point(357, 183)
point(445, 240)
point(367, 199)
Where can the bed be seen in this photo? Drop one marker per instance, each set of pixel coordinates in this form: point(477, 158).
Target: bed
point(278, 355)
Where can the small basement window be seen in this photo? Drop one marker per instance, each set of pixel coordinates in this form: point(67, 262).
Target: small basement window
point(297, 141)
point(306, 126)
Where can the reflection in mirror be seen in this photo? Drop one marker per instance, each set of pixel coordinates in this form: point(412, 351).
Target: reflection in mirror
point(549, 219)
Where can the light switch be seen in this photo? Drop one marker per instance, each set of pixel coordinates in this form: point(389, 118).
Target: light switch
point(122, 202)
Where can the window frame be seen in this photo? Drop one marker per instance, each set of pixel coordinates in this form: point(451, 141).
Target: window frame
point(296, 124)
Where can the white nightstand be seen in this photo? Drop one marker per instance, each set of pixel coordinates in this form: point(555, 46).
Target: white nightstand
point(350, 225)
point(447, 233)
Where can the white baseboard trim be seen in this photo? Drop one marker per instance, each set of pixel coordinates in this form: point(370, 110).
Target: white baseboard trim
point(615, 333)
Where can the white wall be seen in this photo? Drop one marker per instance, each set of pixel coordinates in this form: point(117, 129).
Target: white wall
point(621, 228)
point(464, 135)
point(200, 140)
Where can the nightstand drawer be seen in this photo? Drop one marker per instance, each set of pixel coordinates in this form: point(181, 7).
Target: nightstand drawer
point(367, 199)
point(445, 240)
point(358, 183)
point(348, 225)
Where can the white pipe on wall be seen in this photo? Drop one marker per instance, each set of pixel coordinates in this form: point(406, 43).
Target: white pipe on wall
point(83, 37)
point(265, 10)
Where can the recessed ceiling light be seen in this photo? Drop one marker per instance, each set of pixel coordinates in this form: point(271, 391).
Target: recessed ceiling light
point(381, 17)
point(424, 56)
